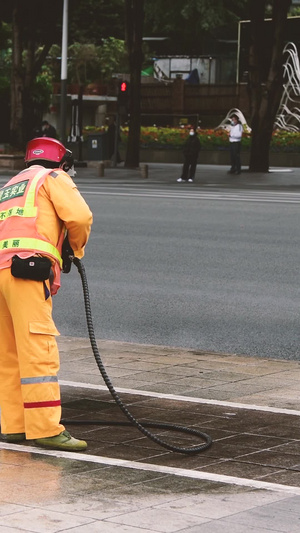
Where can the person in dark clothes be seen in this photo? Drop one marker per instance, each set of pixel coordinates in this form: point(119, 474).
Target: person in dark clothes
point(48, 130)
point(190, 151)
point(111, 132)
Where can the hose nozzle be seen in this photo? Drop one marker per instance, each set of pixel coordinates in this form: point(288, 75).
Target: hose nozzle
point(67, 256)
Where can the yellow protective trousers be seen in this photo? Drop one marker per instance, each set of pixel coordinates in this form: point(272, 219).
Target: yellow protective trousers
point(29, 359)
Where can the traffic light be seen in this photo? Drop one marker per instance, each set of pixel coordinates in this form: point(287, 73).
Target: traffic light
point(123, 93)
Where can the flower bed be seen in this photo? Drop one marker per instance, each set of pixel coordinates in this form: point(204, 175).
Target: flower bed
point(174, 138)
point(285, 141)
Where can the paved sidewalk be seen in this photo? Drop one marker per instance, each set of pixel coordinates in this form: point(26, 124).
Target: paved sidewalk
point(214, 176)
point(247, 481)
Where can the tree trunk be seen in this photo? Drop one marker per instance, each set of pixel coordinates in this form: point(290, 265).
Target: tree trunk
point(17, 85)
point(32, 66)
point(134, 19)
point(265, 96)
point(24, 72)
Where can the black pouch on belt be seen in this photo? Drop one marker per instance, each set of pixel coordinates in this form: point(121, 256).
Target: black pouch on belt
point(35, 268)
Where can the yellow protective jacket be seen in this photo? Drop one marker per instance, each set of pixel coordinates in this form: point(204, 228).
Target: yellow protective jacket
point(37, 206)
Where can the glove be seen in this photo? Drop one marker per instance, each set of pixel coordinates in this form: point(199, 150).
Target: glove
point(67, 253)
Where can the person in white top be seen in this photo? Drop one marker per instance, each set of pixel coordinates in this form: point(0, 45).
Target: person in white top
point(235, 137)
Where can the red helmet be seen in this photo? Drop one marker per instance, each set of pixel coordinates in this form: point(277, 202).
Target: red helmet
point(45, 148)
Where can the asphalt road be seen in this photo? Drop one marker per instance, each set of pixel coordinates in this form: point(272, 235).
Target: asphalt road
point(208, 270)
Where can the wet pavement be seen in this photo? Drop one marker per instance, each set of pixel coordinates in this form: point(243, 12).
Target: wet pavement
point(248, 480)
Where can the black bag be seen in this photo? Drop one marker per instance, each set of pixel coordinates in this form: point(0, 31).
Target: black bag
point(35, 268)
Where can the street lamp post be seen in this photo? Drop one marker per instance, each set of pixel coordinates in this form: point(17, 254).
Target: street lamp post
point(64, 73)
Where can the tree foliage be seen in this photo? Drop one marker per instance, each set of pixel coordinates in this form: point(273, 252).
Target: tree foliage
point(5, 55)
point(34, 29)
point(190, 24)
point(89, 63)
point(112, 57)
point(32, 37)
point(92, 21)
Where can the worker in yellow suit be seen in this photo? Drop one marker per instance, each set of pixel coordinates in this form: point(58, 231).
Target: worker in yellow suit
point(39, 208)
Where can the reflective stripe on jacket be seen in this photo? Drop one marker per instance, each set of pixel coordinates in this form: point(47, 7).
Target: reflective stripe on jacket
point(18, 214)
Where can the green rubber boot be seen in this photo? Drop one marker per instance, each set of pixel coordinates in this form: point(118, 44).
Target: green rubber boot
point(63, 441)
point(13, 437)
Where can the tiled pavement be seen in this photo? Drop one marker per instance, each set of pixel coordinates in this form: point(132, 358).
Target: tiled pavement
point(247, 481)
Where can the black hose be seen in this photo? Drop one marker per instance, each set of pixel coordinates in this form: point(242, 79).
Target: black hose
point(133, 421)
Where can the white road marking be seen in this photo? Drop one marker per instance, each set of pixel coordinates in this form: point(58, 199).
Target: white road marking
point(162, 396)
point(205, 195)
point(169, 470)
point(181, 472)
point(240, 192)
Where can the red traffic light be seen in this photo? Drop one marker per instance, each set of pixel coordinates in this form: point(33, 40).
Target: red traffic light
point(123, 93)
point(123, 87)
